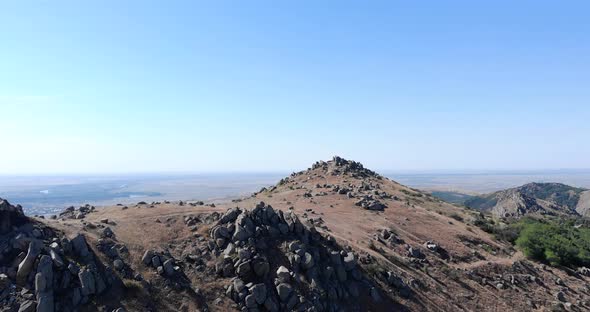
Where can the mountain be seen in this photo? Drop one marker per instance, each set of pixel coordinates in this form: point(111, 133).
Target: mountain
point(334, 237)
point(535, 198)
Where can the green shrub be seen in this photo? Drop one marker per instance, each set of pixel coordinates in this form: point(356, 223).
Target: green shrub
point(555, 243)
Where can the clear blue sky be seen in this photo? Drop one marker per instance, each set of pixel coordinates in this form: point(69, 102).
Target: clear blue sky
point(142, 86)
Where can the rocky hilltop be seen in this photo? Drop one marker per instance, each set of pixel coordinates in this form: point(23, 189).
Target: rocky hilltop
point(334, 237)
point(552, 199)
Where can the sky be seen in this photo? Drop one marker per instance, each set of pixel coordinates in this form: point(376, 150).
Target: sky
point(220, 86)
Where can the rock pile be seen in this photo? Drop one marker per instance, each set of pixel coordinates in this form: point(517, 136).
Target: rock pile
point(280, 264)
point(370, 203)
point(340, 166)
point(164, 263)
point(42, 270)
point(80, 213)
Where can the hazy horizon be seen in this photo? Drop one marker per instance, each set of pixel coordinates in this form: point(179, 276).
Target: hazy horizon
point(51, 194)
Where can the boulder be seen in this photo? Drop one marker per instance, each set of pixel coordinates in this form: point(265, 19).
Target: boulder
point(307, 261)
point(169, 267)
point(56, 258)
point(80, 246)
point(241, 234)
point(87, 282)
point(4, 282)
point(283, 274)
point(250, 301)
point(27, 306)
point(284, 290)
point(244, 269)
point(25, 267)
point(44, 285)
point(271, 305)
point(261, 267)
point(349, 261)
point(9, 216)
point(118, 265)
point(259, 292)
point(147, 257)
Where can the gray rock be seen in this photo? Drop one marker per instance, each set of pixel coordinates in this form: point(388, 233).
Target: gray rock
point(80, 246)
point(283, 274)
point(25, 267)
point(241, 234)
point(230, 215)
point(45, 303)
point(169, 267)
point(57, 260)
point(375, 294)
point(118, 265)
point(271, 305)
point(349, 261)
point(221, 232)
point(107, 232)
point(341, 273)
point(261, 267)
point(147, 257)
point(259, 292)
point(335, 258)
point(244, 269)
point(156, 262)
point(76, 297)
point(284, 290)
point(100, 283)
point(44, 285)
point(292, 302)
point(250, 301)
point(283, 228)
point(87, 282)
point(238, 285)
point(560, 296)
point(27, 306)
point(4, 282)
point(307, 261)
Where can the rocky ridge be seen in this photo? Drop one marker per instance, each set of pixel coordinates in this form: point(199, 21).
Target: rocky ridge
point(552, 199)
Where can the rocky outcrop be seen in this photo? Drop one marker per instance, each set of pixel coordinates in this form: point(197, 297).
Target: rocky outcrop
point(42, 270)
point(280, 264)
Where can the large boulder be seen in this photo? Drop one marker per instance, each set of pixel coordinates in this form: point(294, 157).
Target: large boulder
point(25, 267)
point(80, 246)
point(44, 285)
point(284, 290)
point(87, 282)
point(259, 292)
point(10, 216)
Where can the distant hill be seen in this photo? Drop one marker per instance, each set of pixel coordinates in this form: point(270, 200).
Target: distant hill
point(536, 198)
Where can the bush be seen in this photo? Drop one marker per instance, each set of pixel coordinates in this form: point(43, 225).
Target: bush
point(555, 243)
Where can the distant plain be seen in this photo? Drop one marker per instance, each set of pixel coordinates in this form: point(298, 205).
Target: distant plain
point(45, 195)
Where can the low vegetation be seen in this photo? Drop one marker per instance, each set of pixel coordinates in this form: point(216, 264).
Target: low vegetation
point(555, 242)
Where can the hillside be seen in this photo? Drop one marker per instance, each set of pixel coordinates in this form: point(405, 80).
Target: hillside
point(534, 198)
point(334, 237)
